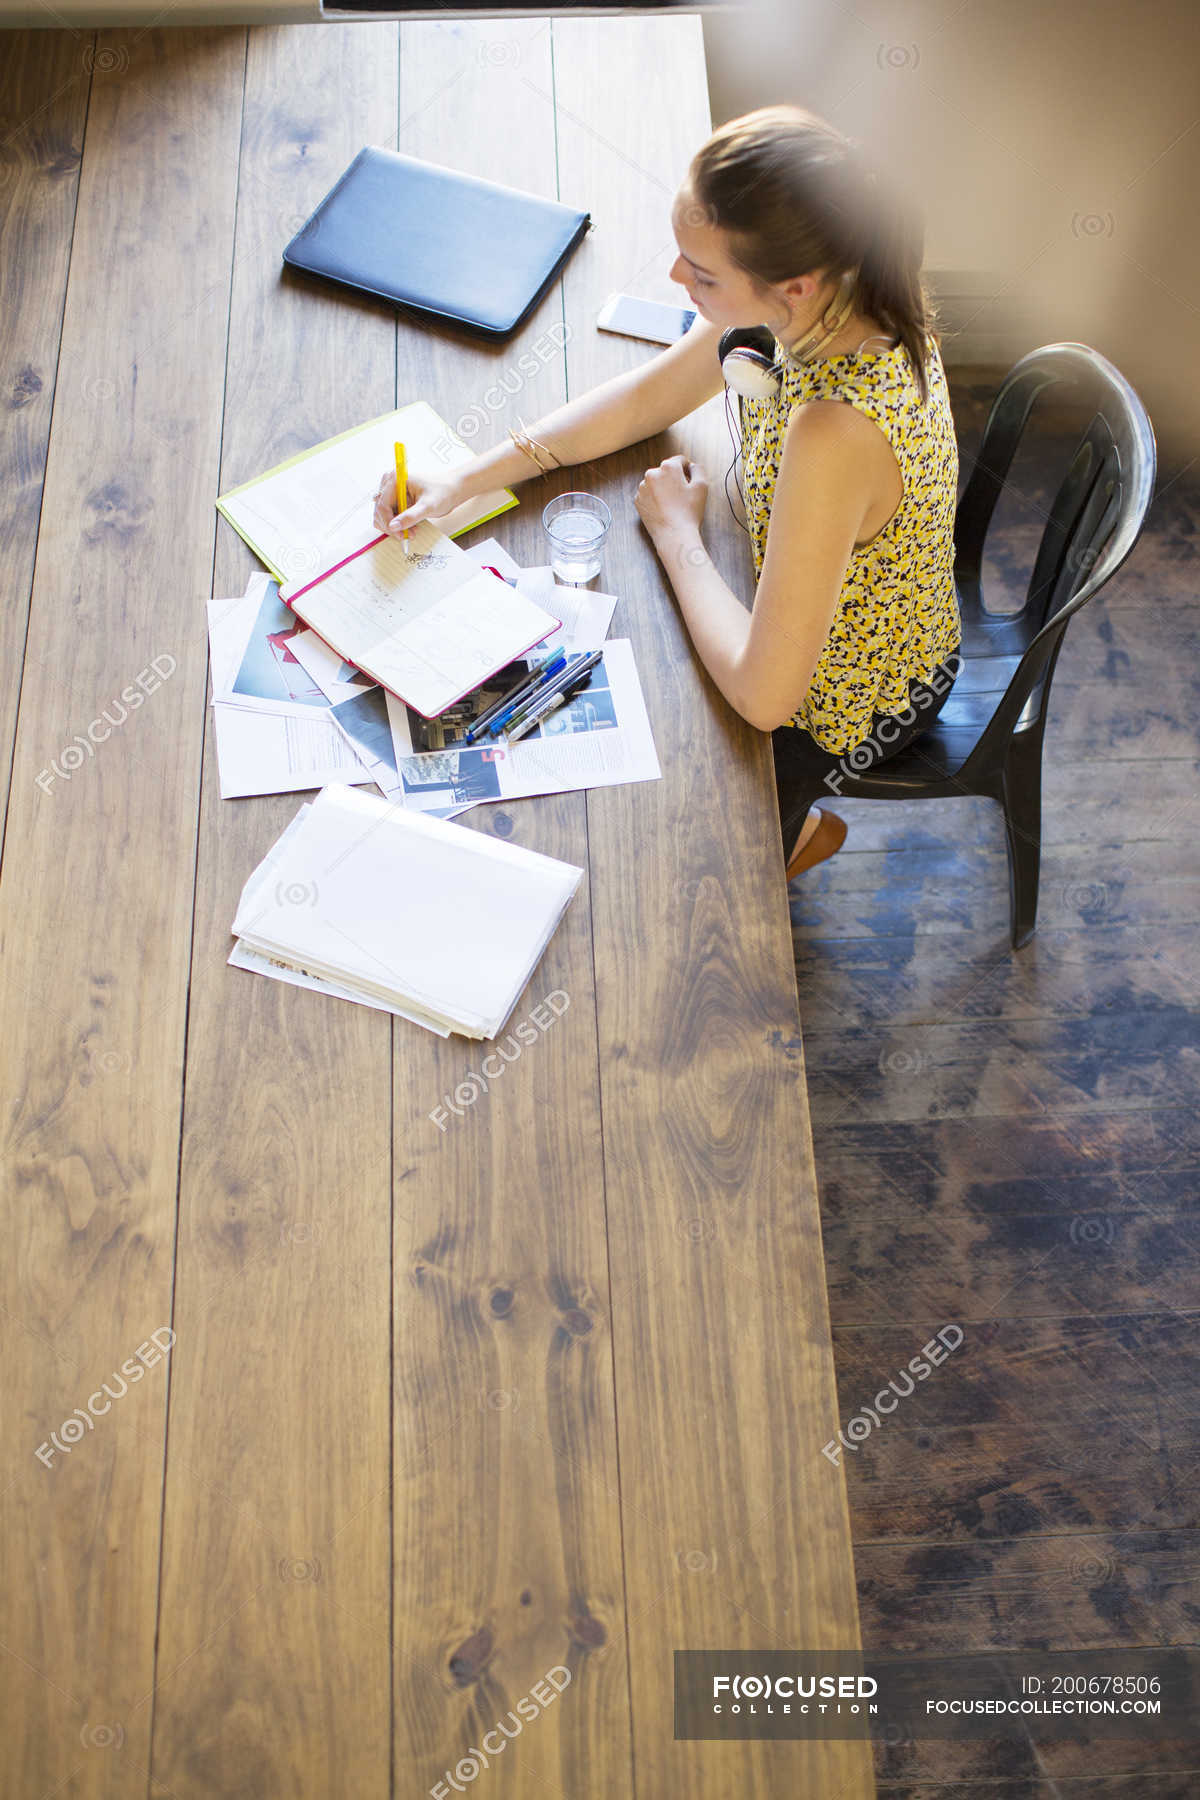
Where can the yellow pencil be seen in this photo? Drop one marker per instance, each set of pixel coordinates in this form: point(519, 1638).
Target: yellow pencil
point(402, 487)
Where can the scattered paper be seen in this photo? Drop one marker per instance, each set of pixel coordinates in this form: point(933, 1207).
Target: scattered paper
point(597, 739)
point(586, 614)
point(336, 678)
point(261, 753)
point(268, 675)
point(290, 713)
point(267, 744)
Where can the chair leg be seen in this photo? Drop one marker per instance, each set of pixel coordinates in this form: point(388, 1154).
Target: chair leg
point(1021, 788)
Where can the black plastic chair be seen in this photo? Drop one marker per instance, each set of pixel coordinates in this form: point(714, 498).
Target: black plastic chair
point(987, 738)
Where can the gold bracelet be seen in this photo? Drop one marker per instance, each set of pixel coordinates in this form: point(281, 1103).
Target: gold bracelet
point(546, 451)
point(531, 445)
point(545, 448)
point(523, 445)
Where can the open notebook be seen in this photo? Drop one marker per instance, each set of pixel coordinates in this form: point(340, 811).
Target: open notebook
point(426, 622)
point(443, 923)
point(307, 515)
point(421, 617)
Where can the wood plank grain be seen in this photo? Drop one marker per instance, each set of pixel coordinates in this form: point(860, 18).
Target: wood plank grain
point(967, 1068)
point(1118, 1058)
point(1090, 1368)
point(1162, 1139)
point(1086, 1591)
point(1003, 1443)
point(95, 905)
point(734, 1535)
point(44, 82)
point(1059, 1769)
point(1157, 1762)
point(1057, 1220)
point(1036, 1263)
point(1122, 644)
point(995, 1767)
point(901, 1185)
point(999, 1479)
point(895, 982)
point(1081, 804)
point(507, 1511)
point(950, 888)
point(1153, 722)
point(274, 1635)
point(1178, 1784)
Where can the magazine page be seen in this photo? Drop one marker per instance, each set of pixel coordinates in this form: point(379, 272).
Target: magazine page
point(600, 737)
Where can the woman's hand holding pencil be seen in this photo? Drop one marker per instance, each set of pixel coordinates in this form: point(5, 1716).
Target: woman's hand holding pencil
point(427, 498)
point(402, 491)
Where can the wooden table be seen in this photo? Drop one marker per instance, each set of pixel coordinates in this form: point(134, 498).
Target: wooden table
point(445, 1409)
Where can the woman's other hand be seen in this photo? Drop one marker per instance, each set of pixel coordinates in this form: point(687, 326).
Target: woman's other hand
point(670, 498)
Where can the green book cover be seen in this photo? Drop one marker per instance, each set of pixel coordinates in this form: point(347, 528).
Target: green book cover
point(416, 424)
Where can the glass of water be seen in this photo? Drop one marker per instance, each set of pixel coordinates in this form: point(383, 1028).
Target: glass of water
point(576, 526)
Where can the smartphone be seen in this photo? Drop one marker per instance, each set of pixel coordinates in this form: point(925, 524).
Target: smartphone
point(652, 319)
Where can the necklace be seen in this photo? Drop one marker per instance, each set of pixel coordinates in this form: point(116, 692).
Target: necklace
point(828, 327)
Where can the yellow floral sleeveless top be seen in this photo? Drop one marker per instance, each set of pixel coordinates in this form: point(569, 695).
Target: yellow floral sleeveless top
point(897, 617)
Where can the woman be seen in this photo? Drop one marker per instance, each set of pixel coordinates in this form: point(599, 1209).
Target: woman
point(849, 471)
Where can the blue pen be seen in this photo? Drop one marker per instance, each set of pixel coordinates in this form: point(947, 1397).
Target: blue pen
point(532, 701)
point(508, 708)
point(580, 668)
point(550, 664)
point(561, 698)
point(549, 673)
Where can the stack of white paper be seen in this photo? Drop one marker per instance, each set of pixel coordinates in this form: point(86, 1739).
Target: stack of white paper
point(440, 923)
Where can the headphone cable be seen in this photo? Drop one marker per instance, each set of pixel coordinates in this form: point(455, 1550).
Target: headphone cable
point(732, 469)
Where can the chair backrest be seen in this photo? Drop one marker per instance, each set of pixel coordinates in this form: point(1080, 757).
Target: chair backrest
point(1094, 521)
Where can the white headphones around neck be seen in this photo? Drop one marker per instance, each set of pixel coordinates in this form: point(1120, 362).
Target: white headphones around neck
point(747, 352)
point(753, 359)
point(748, 362)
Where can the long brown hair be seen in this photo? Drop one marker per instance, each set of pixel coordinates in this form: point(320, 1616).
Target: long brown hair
point(793, 195)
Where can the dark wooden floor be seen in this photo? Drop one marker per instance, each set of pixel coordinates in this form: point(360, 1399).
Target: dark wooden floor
point(1010, 1143)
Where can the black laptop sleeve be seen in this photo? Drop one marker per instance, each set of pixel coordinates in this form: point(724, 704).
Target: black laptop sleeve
point(450, 245)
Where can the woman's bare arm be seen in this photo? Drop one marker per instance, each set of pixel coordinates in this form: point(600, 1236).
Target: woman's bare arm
point(637, 404)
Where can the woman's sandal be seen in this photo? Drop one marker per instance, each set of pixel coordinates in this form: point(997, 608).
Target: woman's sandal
point(825, 841)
